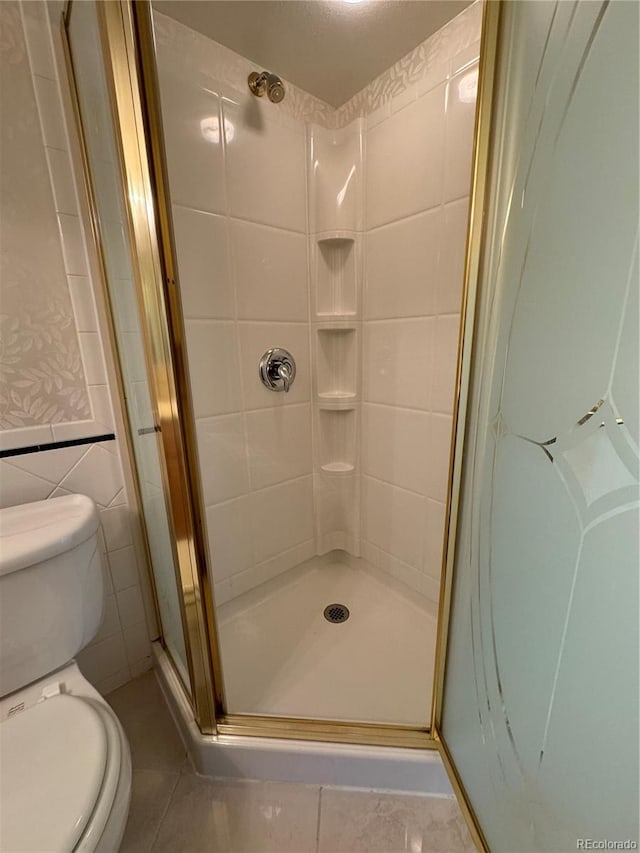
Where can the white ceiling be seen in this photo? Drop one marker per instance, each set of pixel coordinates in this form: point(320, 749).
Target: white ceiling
point(330, 48)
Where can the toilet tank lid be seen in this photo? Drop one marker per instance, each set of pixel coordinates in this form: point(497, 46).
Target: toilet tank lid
point(34, 532)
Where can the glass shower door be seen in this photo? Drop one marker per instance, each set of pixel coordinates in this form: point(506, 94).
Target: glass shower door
point(110, 212)
point(540, 709)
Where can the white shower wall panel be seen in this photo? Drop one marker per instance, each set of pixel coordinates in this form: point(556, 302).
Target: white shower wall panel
point(237, 177)
point(384, 182)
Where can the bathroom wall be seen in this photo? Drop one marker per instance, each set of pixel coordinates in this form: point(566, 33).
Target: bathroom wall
point(241, 212)
point(237, 178)
point(417, 176)
point(57, 370)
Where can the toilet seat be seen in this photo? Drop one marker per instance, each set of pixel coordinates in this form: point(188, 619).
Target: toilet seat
point(59, 774)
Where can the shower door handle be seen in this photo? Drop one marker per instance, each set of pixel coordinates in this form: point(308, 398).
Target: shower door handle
point(277, 369)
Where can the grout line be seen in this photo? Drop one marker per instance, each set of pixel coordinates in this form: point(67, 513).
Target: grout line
point(319, 818)
point(165, 812)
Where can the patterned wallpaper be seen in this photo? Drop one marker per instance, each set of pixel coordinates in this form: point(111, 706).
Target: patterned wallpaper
point(41, 374)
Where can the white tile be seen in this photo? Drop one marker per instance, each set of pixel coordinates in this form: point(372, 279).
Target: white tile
point(97, 475)
point(394, 445)
point(393, 519)
point(19, 487)
point(49, 109)
point(269, 817)
point(434, 539)
point(139, 667)
point(401, 267)
point(92, 358)
point(110, 624)
point(398, 362)
point(293, 502)
point(84, 309)
point(202, 247)
point(270, 272)
point(101, 410)
point(445, 355)
point(51, 465)
point(137, 646)
point(450, 277)
point(75, 261)
point(123, 567)
point(404, 161)
point(255, 340)
point(130, 606)
point(115, 526)
point(106, 685)
point(265, 169)
point(36, 30)
point(103, 659)
point(10, 439)
point(279, 444)
point(64, 192)
point(223, 458)
point(69, 430)
point(438, 457)
point(380, 822)
point(230, 544)
point(461, 111)
point(193, 145)
point(213, 367)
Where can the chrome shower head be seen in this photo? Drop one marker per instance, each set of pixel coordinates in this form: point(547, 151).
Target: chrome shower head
point(269, 83)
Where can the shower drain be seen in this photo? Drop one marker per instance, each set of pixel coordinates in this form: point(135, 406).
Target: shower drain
point(336, 613)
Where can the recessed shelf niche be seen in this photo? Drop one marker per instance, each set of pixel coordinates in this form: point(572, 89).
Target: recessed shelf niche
point(336, 365)
point(337, 441)
point(336, 276)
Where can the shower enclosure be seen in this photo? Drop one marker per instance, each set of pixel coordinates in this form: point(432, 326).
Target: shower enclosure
point(317, 306)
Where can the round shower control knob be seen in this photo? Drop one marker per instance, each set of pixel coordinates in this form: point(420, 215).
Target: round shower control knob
point(277, 369)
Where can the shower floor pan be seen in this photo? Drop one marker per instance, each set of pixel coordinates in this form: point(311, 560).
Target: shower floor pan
point(281, 656)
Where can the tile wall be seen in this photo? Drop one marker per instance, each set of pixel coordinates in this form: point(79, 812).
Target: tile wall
point(121, 649)
point(416, 219)
point(237, 179)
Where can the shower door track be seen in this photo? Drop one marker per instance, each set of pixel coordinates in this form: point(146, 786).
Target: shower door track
point(128, 45)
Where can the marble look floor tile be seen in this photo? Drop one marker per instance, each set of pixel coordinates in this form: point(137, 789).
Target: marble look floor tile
point(373, 822)
point(151, 791)
point(239, 817)
point(152, 735)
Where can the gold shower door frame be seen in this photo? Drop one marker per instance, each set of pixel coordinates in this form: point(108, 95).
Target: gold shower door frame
point(129, 56)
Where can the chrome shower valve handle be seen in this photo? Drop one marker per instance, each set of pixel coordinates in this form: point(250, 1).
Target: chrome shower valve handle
point(277, 369)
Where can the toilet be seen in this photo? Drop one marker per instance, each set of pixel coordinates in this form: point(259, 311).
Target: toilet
point(65, 764)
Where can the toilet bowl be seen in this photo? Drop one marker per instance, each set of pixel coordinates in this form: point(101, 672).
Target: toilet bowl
point(65, 766)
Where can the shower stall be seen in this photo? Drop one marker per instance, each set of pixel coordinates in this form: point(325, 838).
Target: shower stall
point(305, 348)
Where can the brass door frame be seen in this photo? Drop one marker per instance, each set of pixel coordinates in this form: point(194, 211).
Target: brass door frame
point(153, 292)
point(129, 52)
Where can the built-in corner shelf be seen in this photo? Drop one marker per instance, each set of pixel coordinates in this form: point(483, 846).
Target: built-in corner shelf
point(336, 400)
point(338, 468)
point(336, 237)
point(336, 218)
point(336, 272)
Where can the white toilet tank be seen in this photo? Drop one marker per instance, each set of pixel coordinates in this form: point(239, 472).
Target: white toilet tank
point(51, 589)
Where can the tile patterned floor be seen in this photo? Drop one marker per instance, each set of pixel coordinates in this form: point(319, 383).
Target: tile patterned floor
point(176, 811)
